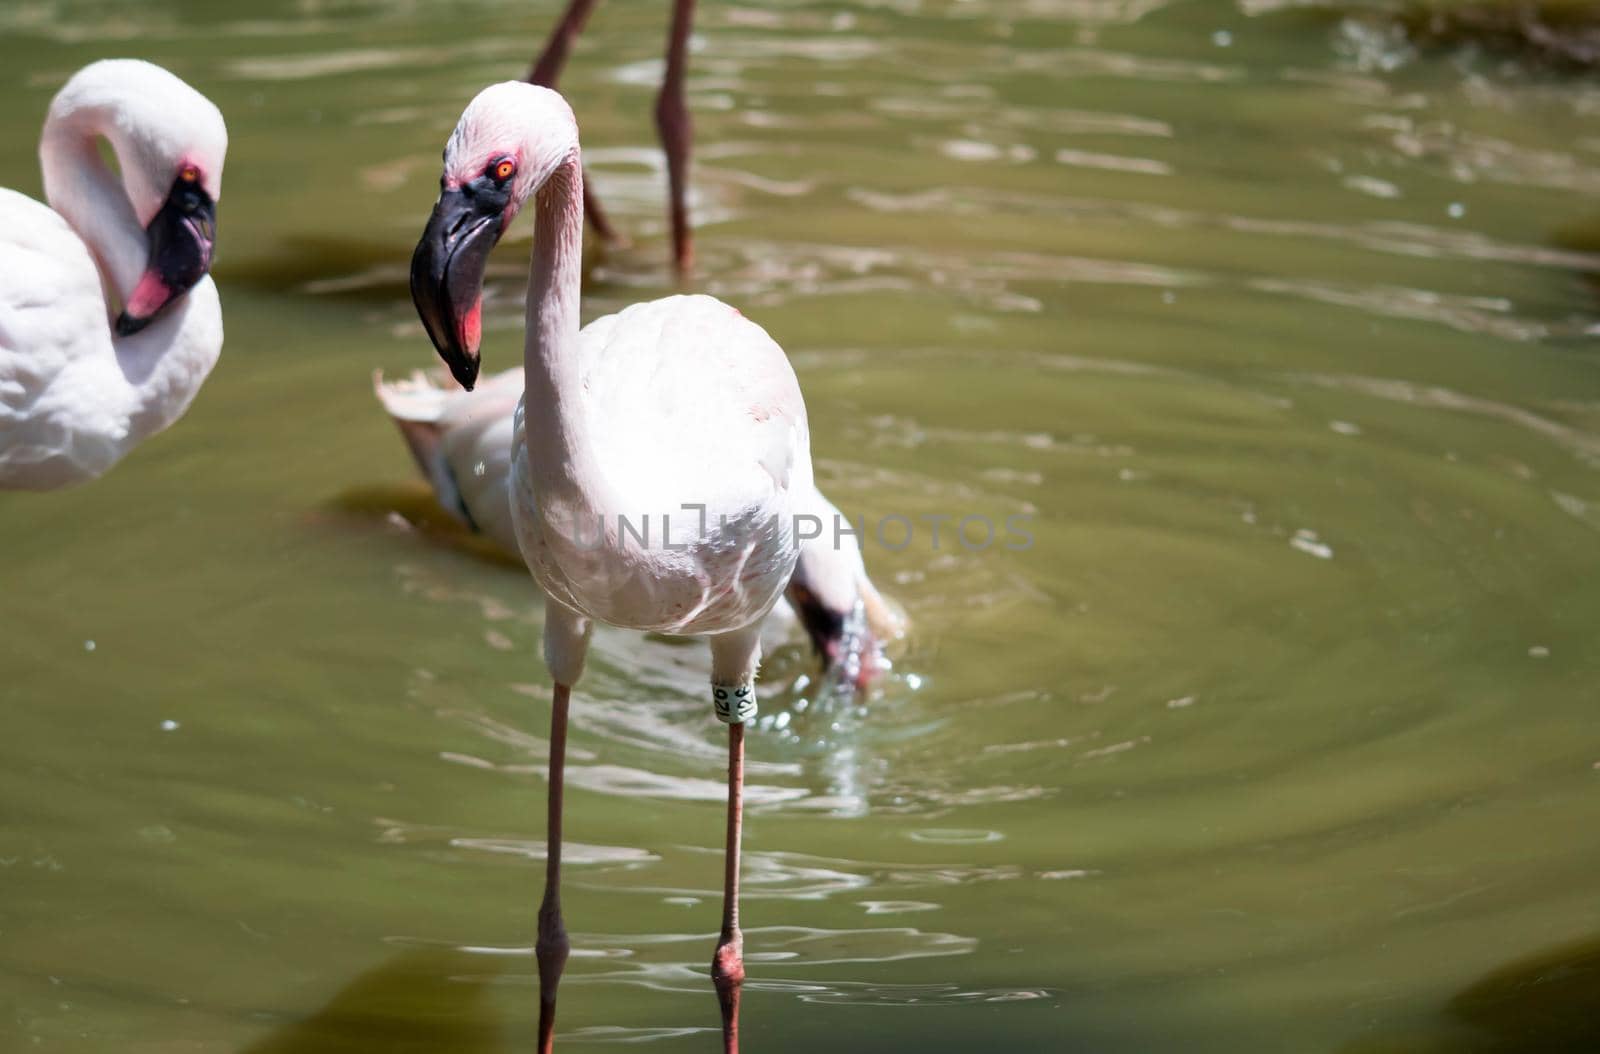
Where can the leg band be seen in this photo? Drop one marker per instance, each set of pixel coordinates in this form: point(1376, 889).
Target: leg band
point(734, 703)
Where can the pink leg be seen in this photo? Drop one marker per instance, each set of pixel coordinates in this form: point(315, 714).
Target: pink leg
point(727, 965)
point(553, 945)
point(548, 66)
point(547, 71)
point(672, 121)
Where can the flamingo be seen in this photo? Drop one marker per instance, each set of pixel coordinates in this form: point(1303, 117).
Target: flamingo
point(77, 390)
point(671, 115)
point(678, 409)
point(461, 442)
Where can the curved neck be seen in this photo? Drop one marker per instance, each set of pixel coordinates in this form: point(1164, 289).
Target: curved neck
point(556, 423)
point(85, 193)
point(157, 371)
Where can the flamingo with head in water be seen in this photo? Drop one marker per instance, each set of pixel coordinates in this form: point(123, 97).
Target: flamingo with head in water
point(79, 389)
point(679, 408)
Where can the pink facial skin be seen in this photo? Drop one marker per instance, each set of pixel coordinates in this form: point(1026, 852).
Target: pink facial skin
point(463, 172)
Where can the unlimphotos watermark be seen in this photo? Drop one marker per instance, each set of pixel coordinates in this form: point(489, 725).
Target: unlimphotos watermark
point(896, 532)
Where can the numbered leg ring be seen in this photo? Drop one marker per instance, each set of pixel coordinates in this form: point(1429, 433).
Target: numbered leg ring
point(734, 703)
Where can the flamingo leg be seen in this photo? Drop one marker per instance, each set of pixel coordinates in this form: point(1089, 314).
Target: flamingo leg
point(727, 964)
point(553, 946)
point(547, 71)
point(734, 658)
point(672, 122)
point(548, 66)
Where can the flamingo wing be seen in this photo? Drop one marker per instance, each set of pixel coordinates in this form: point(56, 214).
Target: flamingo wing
point(690, 400)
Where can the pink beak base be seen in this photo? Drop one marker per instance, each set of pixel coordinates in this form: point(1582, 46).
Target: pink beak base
point(148, 297)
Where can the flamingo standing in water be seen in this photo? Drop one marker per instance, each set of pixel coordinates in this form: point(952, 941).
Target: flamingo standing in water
point(672, 117)
point(679, 408)
point(461, 441)
point(77, 390)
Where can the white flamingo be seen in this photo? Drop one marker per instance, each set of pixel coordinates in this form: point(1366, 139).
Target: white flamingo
point(669, 404)
point(461, 442)
point(77, 391)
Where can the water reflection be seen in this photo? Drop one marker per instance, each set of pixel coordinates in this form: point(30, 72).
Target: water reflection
point(769, 275)
point(1585, 445)
point(837, 767)
point(676, 962)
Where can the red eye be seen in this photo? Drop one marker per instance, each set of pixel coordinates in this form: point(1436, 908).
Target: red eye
point(188, 173)
point(504, 168)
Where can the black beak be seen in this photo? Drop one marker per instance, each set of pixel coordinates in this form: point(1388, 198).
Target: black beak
point(447, 273)
point(183, 236)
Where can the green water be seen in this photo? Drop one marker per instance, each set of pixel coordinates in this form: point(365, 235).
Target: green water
point(1281, 736)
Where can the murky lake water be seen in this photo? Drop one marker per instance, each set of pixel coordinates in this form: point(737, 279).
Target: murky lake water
point(1281, 736)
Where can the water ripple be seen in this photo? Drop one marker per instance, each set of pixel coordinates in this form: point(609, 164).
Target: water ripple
point(1586, 445)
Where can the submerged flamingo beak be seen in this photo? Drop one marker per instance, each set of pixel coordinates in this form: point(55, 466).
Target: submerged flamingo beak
point(843, 639)
point(447, 273)
point(182, 237)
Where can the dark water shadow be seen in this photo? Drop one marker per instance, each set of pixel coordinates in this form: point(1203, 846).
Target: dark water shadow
point(1582, 235)
point(328, 265)
point(1561, 36)
point(412, 507)
point(425, 999)
point(364, 270)
point(1545, 1003)
point(1557, 33)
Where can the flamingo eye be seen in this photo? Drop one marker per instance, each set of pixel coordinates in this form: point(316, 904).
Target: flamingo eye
point(503, 169)
point(189, 174)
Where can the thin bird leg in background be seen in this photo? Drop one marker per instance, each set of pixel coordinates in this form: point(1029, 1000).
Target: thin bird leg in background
point(727, 965)
point(548, 66)
point(546, 72)
point(553, 945)
point(672, 121)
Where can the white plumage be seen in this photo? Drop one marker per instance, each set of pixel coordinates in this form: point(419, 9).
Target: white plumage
point(461, 442)
point(679, 410)
point(693, 419)
point(74, 396)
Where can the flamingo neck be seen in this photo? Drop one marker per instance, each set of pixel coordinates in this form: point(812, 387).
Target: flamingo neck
point(556, 421)
point(85, 193)
point(158, 370)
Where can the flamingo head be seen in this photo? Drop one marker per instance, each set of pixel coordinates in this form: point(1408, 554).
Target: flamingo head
point(170, 142)
point(512, 138)
point(182, 237)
